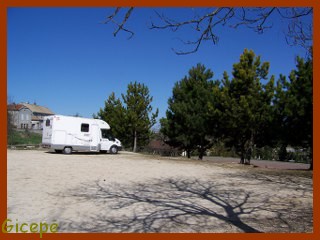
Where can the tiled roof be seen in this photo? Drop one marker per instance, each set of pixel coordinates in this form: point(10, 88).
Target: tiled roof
point(38, 109)
point(33, 108)
point(15, 107)
point(36, 118)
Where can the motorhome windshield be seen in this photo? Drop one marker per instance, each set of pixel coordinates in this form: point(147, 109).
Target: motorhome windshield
point(106, 133)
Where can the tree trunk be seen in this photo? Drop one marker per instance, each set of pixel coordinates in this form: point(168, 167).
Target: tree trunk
point(311, 159)
point(188, 153)
point(242, 160)
point(135, 141)
point(311, 165)
point(283, 152)
point(201, 153)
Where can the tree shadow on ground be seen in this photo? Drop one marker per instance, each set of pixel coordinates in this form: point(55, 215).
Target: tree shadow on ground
point(173, 205)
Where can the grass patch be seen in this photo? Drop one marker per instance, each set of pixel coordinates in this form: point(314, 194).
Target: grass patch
point(24, 137)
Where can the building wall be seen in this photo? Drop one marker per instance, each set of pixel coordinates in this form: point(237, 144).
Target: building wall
point(14, 117)
point(24, 119)
point(37, 118)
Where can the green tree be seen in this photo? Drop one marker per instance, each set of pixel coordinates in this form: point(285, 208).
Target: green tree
point(247, 105)
point(187, 123)
point(114, 114)
point(131, 119)
point(293, 106)
point(138, 114)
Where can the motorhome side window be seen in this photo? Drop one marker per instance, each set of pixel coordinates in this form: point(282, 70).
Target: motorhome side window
point(47, 122)
point(84, 127)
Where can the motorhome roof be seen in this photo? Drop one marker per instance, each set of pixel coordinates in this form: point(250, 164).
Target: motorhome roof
point(101, 123)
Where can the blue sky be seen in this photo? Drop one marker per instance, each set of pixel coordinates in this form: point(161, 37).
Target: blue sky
point(66, 60)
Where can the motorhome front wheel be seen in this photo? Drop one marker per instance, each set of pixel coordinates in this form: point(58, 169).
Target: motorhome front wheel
point(113, 150)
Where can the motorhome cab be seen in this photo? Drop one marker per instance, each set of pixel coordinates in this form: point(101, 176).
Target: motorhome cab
point(66, 134)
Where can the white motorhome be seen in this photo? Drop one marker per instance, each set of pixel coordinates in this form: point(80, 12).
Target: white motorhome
point(66, 134)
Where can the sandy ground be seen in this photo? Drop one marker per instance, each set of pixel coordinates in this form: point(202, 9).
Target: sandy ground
point(137, 193)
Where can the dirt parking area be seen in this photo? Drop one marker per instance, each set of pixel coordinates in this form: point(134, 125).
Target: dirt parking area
point(138, 193)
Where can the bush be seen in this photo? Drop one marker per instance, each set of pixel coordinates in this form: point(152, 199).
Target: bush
point(265, 153)
point(23, 137)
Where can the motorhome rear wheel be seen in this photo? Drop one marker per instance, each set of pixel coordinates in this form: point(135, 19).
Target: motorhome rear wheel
point(67, 150)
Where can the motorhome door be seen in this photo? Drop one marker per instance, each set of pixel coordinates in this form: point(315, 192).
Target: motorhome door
point(94, 144)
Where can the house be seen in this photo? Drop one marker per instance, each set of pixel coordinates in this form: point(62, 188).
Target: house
point(28, 116)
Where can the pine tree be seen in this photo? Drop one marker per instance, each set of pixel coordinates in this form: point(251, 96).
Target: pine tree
point(114, 114)
point(139, 117)
point(247, 104)
point(187, 122)
point(130, 119)
point(293, 106)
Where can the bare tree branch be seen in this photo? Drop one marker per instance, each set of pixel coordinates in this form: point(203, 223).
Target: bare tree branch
point(259, 19)
point(299, 33)
point(294, 13)
point(120, 26)
point(203, 26)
